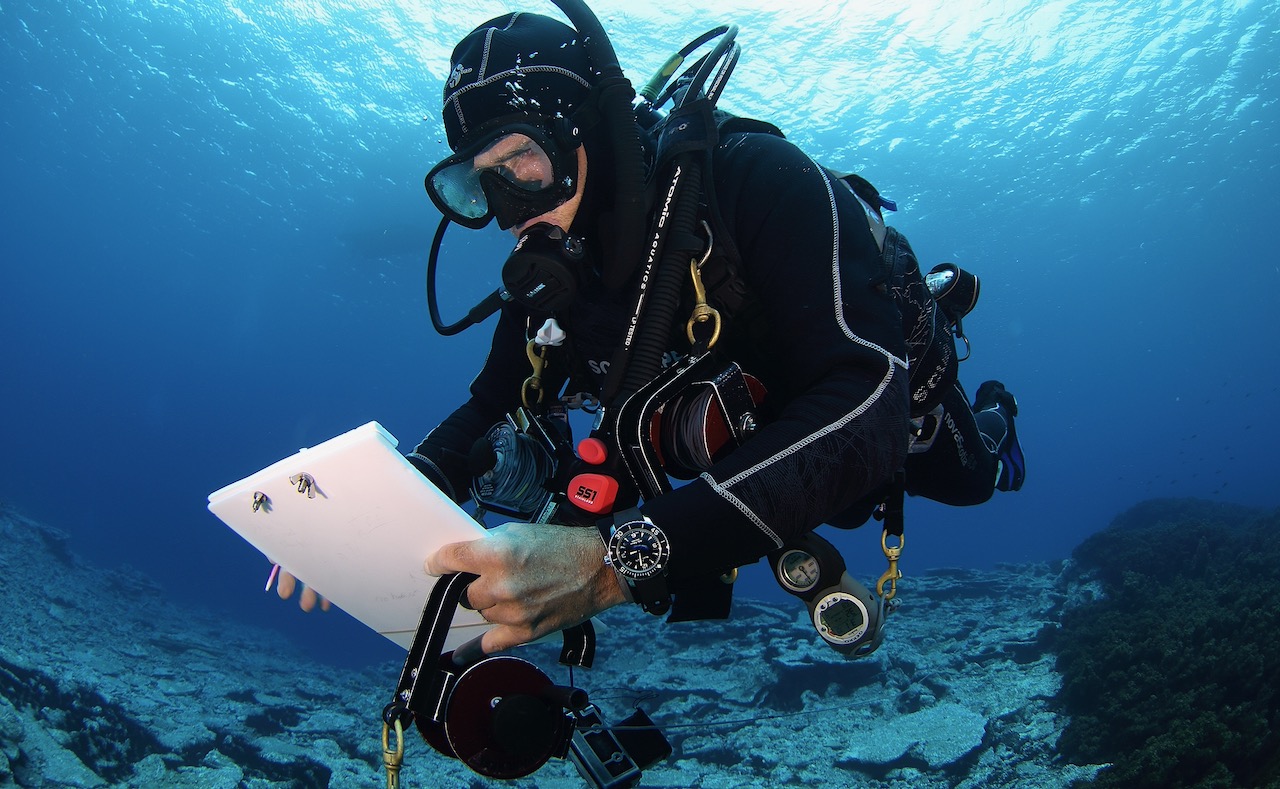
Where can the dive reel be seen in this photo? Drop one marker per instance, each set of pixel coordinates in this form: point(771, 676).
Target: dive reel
point(515, 465)
point(502, 716)
point(688, 417)
point(705, 421)
point(844, 612)
point(679, 425)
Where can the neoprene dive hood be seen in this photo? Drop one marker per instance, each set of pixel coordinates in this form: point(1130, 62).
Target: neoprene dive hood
point(612, 94)
point(546, 111)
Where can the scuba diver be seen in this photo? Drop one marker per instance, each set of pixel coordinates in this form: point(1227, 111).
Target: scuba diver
point(734, 315)
point(824, 309)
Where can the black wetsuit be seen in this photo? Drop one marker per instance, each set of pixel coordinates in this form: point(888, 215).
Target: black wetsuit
point(833, 361)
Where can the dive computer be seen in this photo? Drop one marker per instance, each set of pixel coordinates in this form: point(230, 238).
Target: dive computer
point(638, 551)
point(844, 612)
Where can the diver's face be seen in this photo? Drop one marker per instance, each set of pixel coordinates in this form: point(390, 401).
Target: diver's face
point(519, 159)
point(562, 215)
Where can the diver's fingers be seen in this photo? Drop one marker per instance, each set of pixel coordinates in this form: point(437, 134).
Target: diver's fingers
point(456, 557)
point(480, 595)
point(325, 605)
point(469, 653)
point(308, 600)
point(504, 637)
point(285, 584)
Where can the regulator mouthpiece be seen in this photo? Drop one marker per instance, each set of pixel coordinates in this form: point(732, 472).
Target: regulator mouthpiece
point(544, 269)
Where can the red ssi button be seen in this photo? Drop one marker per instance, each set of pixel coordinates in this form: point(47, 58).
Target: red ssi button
point(593, 492)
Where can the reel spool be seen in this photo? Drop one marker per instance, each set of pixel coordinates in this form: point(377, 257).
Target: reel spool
point(504, 718)
point(511, 470)
point(706, 421)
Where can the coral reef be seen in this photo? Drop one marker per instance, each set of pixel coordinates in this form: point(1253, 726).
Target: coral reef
point(1170, 651)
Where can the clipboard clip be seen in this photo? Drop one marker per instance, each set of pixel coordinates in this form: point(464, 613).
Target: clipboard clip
point(305, 483)
point(261, 501)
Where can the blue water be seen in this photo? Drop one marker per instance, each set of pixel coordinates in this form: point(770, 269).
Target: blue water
point(214, 233)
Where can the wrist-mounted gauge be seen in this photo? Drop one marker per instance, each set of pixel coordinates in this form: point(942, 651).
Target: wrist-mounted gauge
point(844, 612)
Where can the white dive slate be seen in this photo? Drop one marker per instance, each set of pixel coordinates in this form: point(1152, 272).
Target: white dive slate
point(353, 520)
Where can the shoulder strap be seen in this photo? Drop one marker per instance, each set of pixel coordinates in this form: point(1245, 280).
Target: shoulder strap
point(721, 274)
point(867, 192)
point(732, 124)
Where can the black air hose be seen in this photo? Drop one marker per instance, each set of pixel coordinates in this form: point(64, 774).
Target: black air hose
point(643, 360)
point(658, 318)
point(630, 215)
point(615, 105)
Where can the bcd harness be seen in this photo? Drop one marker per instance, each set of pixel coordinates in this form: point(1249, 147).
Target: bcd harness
point(720, 295)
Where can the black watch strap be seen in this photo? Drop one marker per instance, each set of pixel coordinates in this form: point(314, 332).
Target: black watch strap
point(652, 594)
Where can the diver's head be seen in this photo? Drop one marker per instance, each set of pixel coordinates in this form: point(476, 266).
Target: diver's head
point(513, 115)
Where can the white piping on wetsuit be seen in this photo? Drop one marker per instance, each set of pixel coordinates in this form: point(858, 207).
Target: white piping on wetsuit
point(722, 488)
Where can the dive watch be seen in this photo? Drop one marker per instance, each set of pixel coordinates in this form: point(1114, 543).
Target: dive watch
point(638, 551)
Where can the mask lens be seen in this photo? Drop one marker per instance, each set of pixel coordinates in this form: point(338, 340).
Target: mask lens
point(458, 188)
point(516, 158)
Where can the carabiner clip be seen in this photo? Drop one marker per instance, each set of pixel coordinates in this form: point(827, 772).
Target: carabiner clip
point(891, 575)
point(538, 360)
point(702, 311)
point(393, 758)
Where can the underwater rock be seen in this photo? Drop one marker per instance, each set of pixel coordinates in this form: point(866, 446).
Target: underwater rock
point(956, 696)
point(936, 737)
point(33, 756)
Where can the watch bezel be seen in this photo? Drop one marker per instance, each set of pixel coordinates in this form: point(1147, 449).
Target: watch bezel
point(615, 547)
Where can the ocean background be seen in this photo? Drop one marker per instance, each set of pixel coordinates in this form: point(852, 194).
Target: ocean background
point(214, 236)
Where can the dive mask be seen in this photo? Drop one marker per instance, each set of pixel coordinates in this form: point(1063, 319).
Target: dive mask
point(514, 172)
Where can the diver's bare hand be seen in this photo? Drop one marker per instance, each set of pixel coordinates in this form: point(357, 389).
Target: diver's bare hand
point(534, 579)
point(285, 586)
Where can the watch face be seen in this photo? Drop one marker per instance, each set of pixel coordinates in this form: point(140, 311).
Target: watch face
point(638, 549)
